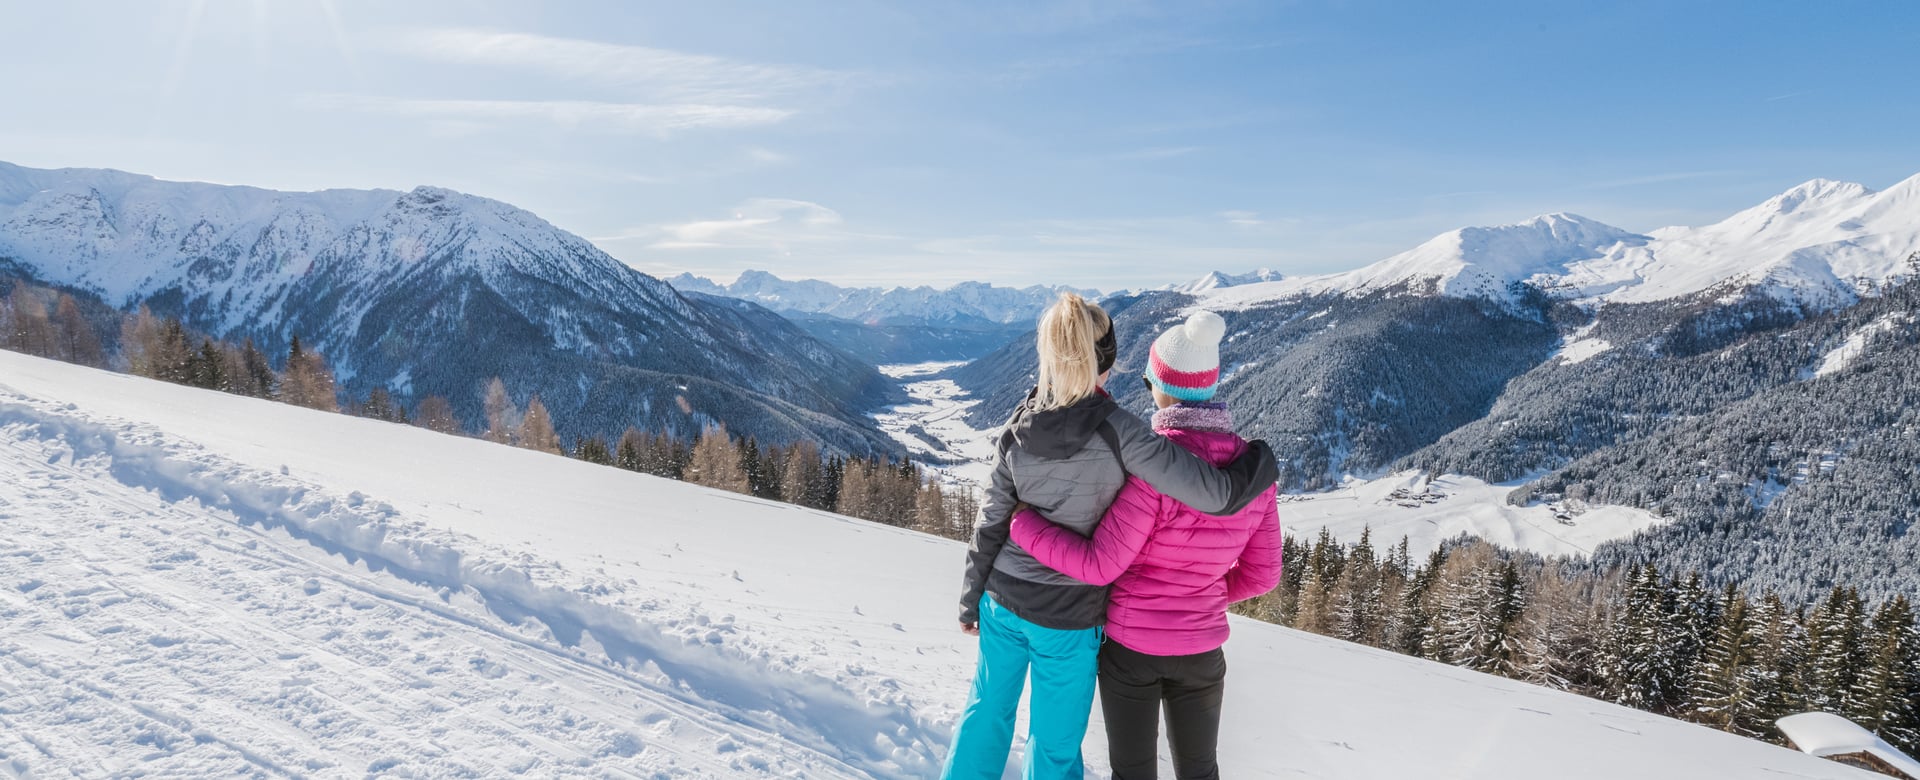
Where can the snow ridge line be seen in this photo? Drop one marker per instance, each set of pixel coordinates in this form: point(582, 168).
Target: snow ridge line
point(878, 737)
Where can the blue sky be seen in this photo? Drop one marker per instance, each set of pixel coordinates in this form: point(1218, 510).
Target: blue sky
point(1104, 144)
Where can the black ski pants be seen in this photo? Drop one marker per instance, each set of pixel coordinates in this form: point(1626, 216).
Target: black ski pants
point(1134, 687)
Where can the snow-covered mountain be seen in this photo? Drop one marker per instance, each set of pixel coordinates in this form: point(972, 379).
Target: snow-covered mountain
point(1216, 280)
point(966, 303)
point(259, 589)
point(1820, 244)
point(432, 292)
point(1567, 362)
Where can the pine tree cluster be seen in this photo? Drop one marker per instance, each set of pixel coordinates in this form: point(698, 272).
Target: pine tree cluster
point(1669, 645)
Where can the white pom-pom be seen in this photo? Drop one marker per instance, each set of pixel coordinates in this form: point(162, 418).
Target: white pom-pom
point(1205, 327)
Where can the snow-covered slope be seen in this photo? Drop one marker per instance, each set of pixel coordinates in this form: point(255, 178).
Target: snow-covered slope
point(195, 584)
point(1822, 244)
point(1217, 280)
point(1430, 511)
point(432, 292)
point(965, 303)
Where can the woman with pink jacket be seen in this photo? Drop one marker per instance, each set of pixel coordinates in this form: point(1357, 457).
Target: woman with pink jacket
point(1173, 572)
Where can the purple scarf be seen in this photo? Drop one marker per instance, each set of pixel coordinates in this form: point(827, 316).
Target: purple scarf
point(1194, 416)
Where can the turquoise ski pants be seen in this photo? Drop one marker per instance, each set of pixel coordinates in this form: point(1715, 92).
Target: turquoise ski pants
point(1064, 665)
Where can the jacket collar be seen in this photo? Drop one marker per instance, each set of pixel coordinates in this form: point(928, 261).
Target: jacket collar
point(1058, 433)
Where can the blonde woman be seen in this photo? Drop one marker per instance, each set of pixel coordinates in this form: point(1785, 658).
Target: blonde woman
point(1066, 451)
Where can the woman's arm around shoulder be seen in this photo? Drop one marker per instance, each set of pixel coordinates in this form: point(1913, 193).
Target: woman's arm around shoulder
point(1116, 543)
point(1188, 478)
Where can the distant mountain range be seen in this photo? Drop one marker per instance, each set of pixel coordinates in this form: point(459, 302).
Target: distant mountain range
point(967, 303)
point(432, 292)
point(1753, 380)
point(894, 324)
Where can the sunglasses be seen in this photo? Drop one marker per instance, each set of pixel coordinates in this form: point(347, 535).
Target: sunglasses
point(1148, 381)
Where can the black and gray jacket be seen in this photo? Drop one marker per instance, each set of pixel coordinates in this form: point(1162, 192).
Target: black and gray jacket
point(1063, 462)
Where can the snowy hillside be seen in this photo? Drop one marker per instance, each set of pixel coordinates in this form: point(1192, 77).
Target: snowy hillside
point(197, 584)
point(433, 292)
point(1822, 244)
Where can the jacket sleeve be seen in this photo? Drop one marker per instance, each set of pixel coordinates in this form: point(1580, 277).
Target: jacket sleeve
point(1102, 558)
point(1258, 569)
point(989, 535)
point(1186, 477)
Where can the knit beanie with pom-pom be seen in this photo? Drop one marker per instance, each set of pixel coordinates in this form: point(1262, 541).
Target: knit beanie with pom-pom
point(1185, 361)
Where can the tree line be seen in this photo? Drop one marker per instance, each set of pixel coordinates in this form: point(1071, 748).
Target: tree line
point(49, 323)
point(1670, 645)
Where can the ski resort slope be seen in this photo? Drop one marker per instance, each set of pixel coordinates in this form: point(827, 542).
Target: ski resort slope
point(194, 584)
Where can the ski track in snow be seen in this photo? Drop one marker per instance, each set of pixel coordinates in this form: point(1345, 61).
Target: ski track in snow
point(363, 642)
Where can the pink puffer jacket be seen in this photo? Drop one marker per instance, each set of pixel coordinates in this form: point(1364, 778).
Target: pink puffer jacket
point(1173, 569)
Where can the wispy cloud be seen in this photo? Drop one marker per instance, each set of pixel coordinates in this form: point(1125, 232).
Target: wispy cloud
point(658, 119)
point(775, 225)
point(660, 74)
point(1245, 219)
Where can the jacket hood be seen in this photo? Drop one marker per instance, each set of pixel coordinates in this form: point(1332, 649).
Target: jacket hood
point(1058, 433)
point(1205, 429)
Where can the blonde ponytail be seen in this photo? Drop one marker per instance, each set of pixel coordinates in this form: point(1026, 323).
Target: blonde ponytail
point(1069, 364)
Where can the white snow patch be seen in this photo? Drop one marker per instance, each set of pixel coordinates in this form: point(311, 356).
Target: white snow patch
point(1581, 350)
point(1428, 513)
point(1840, 357)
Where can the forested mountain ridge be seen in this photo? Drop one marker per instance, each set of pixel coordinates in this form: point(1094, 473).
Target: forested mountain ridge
point(431, 292)
point(1749, 380)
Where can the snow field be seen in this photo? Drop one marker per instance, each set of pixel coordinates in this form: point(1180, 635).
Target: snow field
point(933, 426)
point(195, 584)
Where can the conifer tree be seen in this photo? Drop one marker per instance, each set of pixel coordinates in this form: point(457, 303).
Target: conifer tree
point(629, 454)
point(29, 329)
point(503, 418)
point(1721, 692)
point(78, 341)
point(140, 343)
point(1886, 691)
point(1358, 614)
point(800, 480)
point(207, 368)
point(307, 382)
point(715, 462)
point(930, 511)
point(435, 413)
point(593, 449)
point(1412, 631)
point(259, 380)
point(1638, 663)
point(1778, 657)
point(1480, 617)
point(536, 428)
point(173, 354)
point(1833, 649)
